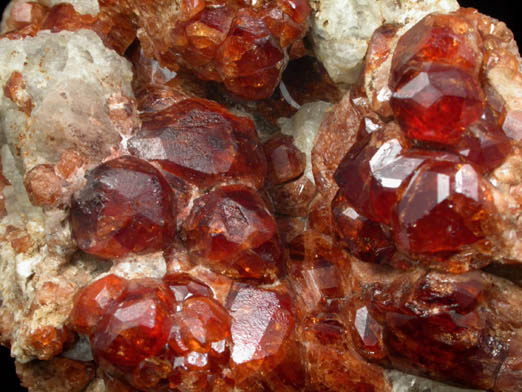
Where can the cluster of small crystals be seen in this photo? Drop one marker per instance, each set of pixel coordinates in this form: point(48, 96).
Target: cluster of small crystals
point(415, 205)
point(240, 43)
point(419, 194)
point(172, 334)
point(191, 147)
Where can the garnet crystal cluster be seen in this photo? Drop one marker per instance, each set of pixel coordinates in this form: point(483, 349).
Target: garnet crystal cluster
point(191, 246)
point(172, 334)
point(415, 194)
point(418, 194)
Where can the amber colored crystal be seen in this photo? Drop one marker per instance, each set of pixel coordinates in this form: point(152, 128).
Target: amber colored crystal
point(443, 209)
point(150, 372)
point(293, 198)
point(93, 301)
point(23, 14)
point(137, 327)
point(202, 143)
point(434, 79)
point(290, 228)
point(202, 322)
point(484, 143)
point(372, 177)
point(125, 207)
point(43, 186)
point(367, 334)
point(48, 341)
point(285, 161)
point(437, 102)
point(318, 274)
point(320, 217)
point(231, 231)
point(70, 161)
point(443, 39)
point(16, 90)
point(184, 286)
point(364, 238)
point(250, 60)
point(261, 322)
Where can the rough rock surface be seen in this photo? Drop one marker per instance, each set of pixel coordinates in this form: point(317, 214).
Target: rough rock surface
point(341, 29)
point(74, 77)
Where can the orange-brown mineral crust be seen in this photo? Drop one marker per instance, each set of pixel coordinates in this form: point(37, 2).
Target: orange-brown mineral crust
point(3, 183)
point(57, 375)
point(451, 327)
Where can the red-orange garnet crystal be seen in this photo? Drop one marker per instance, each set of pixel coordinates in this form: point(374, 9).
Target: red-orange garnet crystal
point(445, 208)
point(285, 161)
point(435, 83)
point(202, 143)
point(125, 207)
point(93, 301)
point(232, 231)
point(138, 327)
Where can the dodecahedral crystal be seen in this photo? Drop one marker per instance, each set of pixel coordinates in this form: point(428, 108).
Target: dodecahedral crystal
point(125, 207)
point(231, 230)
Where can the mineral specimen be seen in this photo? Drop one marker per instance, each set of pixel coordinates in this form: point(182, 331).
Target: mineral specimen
point(159, 234)
point(439, 324)
point(202, 143)
point(173, 333)
point(242, 44)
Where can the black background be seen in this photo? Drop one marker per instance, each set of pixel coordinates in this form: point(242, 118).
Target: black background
point(500, 9)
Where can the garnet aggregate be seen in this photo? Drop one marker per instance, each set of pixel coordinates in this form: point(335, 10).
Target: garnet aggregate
point(301, 291)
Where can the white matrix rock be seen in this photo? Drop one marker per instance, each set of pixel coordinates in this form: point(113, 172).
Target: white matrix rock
point(68, 78)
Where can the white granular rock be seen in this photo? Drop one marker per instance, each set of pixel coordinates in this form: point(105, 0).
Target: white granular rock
point(72, 81)
point(81, 6)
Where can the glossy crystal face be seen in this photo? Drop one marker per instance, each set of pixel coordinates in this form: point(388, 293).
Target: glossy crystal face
point(202, 143)
point(231, 231)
